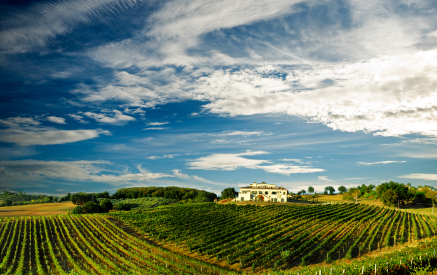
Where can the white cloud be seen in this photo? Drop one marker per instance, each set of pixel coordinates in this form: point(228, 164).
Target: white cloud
point(118, 117)
point(294, 160)
point(389, 95)
point(420, 176)
point(156, 123)
point(170, 156)
point(380, 162)
point(178, 174)
point(27, 131)
point(78, 118)
point(156, 128)
point(177, 27)
point(325, 178)
point(289, 169)
point(229, 162)
point(58, 120)
point(74, 171)
point(384, 85)
point(239, 133)
point(32, 29)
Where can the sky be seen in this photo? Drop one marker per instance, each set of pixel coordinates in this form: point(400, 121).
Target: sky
point(104, 94)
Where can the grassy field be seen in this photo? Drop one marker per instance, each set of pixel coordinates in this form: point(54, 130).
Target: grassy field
point(42, 209)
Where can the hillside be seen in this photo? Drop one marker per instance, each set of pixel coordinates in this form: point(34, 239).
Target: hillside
point(254, 238)
point(209, 238)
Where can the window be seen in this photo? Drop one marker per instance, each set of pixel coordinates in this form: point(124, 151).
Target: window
point(273, 193)
point(282, 200)
point(266, 192)
point(242, 199)
point(254, 192)
point(284, 193)
point(260, 192)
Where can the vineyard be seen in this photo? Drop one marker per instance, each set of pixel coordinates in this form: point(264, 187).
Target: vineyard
point(84, 244)
point(279, 236)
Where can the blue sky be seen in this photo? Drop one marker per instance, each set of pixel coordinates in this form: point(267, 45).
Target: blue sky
point(103, 94)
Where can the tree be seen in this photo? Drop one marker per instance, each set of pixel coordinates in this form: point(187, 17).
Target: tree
point(420, 196)
point(401, 190)
point(123, 206)
point(310, 189)
point(201, 197)
point(330, 190)
point(342, 189)
point(78, 210)
point(7, 202)
point(106, 205)
point(363, 189)
point(229, 193)
point(389, 197)
point(91, 207)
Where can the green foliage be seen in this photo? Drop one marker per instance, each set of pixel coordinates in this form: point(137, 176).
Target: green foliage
point(91, 207)
point(7, 202)
point(106, 205)
point(170, 192)
point(142, 203)
point(342, 189)
point(82, 197)
point(229, 193)
point(401, 191)
point(330, 190)
point(122, 206)
point(78, 210)
point(420, 196)
point(389, 197)
point(310, 189)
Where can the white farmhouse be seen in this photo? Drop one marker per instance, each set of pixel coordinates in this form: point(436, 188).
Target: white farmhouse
point(262, 192)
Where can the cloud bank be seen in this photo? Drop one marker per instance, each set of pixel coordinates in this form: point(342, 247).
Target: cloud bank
point(230, 162)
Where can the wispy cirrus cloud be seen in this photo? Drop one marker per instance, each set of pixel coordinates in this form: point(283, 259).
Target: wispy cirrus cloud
point(32, 29)
point(179, 174)
point(156, 123)
point(24, 131)
point(156, 128)
point(381, 162)
point(324, 178)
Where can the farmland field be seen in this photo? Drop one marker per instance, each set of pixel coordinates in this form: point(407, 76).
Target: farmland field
point(84, 244)
point(41, 209)
point(218, 239)
point(280, 236)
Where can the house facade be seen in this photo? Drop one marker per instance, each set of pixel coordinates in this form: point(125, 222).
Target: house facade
point(263, 192)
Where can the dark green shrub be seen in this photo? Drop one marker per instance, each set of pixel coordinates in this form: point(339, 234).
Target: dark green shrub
point(123, 206)
point(106, 205)
point(91, 207)
point(78, 210)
